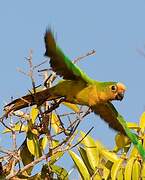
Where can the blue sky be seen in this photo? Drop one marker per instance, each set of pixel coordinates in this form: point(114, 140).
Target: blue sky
point(115, 29)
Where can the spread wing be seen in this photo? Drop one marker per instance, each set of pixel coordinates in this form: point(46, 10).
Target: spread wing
point(60, 63)
point(109, 114)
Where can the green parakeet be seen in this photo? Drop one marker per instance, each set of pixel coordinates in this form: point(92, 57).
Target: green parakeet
point(76, 88)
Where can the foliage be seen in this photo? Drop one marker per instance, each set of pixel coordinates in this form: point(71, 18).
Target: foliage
point(123, 162)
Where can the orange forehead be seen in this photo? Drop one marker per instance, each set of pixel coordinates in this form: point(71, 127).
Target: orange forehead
point(121, 86)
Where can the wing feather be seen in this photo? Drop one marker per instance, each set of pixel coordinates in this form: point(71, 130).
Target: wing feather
point(60, 63)
point(109, 114)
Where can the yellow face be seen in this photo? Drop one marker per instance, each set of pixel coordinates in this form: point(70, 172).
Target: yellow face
point(117, 91)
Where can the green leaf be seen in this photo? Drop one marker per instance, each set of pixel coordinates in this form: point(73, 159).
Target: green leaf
point(59, 171)
point(91, 150)
point(33, 145)
point(80, 165)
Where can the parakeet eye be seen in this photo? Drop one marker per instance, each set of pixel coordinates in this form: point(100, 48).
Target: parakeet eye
point(114, 88)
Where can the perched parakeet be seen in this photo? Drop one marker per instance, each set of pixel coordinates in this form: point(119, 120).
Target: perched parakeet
point(76, 88)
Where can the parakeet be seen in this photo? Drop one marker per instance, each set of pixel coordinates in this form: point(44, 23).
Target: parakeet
point(77, 87)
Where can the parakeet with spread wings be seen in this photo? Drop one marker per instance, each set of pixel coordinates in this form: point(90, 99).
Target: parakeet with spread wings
point(76, 88)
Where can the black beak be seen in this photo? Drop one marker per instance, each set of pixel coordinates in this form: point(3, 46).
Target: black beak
point(119, 96)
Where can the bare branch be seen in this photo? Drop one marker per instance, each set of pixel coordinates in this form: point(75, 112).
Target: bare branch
point(84, 56)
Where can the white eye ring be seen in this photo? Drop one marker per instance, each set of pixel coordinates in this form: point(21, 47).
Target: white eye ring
point(114, 88)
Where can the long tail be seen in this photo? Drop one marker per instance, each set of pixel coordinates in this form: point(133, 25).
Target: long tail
point(132, 136)
point(29, 100)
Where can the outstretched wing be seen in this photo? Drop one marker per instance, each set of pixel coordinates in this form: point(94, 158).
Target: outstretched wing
point(60, 63)
point(109, 114)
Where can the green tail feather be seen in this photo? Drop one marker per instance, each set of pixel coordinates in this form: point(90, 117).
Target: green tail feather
point(132, 136)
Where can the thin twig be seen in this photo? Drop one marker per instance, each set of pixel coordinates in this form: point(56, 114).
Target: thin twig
point(36, 66)
point(71, 113)
point(31, 71)
point(82, 138)
point(21, 71)
point(84, 56)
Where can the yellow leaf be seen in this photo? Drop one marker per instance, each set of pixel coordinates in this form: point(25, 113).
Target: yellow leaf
point(143, 139)
point(128, 168)
point(120, 174)
point(115, 168)
point(91, 150)
point(134, 152)
point(43, 142)
point(26, 156)
point(143, 171)
point(106, 171)
point(84, 157)
point(111, 156)
point(74, 107)
point(96, 177)
point(59, 171)
point(35, 131)
point(55, 123)
point(133, 126)
point(106, 153)
point(34, 113)
point(142, 122)
point(55, 157)
point(80, 165)
point(17, 127)
point(136, 170)
point(33, 144)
